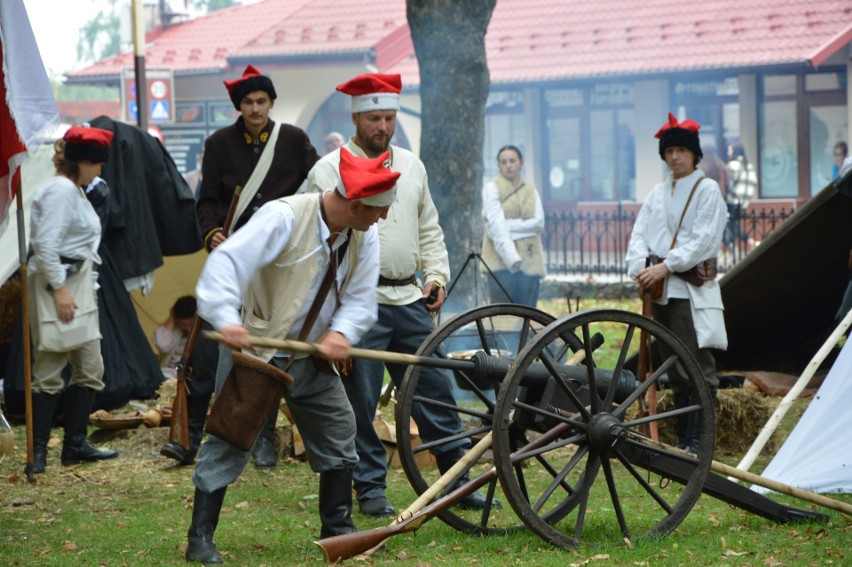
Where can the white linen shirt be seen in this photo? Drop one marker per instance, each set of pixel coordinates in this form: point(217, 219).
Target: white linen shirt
point(699, 238)
point(410, 237)
point(230, 267)
point(62, 223)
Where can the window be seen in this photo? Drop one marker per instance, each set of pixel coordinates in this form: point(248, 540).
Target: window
point(828, 125)
point(779, 167)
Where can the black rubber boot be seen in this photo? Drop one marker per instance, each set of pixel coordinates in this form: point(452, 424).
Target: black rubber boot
point(265, 451)
point(44, 408)
point(205, 518)
point(335, 503)
point(75, 447)
point(474, 500)
point(197, 409)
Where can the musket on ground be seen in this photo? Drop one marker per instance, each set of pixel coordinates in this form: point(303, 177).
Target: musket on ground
point(179, 425)
point(342, 547)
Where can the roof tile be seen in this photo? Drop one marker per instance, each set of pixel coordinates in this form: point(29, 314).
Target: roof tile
point(527, 40)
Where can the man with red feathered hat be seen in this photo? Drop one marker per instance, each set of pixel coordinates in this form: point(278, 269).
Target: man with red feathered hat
point(304, 267)
point(411, 241)
point(679, 228)
point(268, 160)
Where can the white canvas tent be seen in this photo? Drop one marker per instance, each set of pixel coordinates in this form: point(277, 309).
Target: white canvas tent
point(817, 455)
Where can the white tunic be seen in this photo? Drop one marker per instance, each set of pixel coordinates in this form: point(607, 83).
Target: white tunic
point(258, 243)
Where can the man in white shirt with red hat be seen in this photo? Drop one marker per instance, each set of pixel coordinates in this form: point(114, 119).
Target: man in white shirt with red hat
point(261, 281)
point(411, 241)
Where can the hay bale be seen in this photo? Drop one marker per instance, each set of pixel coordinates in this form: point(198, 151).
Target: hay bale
point(740, 415)
point(165, 394)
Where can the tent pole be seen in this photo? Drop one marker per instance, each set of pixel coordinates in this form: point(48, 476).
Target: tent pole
point(781, 410)
point(25, 318)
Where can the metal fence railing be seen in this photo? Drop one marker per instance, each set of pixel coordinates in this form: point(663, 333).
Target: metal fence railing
point(595, 242)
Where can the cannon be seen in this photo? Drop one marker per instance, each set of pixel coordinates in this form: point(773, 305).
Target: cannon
point(559, 424)
point(571, 491)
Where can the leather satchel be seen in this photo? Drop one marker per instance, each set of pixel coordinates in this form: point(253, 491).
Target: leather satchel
point(248, 396)
point(703, 272)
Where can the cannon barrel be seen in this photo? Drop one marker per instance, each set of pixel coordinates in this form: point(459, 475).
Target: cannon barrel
point(489, 370)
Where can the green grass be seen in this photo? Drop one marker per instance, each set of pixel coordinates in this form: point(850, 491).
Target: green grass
point(135, 510)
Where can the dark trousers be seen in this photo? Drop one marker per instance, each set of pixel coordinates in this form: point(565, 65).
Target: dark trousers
point(399, 329)
point(676, 316)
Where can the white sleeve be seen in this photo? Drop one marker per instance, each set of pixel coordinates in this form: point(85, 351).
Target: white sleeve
point(524, 228)
point(230, 267)
point(495, 226)
point(359, 308)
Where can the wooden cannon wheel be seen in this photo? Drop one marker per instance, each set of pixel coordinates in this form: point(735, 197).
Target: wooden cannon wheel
point(499, 330)
point(599, 479)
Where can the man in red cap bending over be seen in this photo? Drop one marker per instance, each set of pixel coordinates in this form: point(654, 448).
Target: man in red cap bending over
point(268, 160)
point(411, 241)
point(262, 281)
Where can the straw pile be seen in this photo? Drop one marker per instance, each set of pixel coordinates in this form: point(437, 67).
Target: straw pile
point(740, 415)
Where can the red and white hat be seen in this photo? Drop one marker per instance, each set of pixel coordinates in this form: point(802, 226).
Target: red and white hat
point(87, 143)
point(367, 179)
point(373, 92)
point(251, 81)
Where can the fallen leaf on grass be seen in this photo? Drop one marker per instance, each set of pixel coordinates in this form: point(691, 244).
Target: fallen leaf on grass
point(244, 505)
point(732, 553)
point(771, 562)
point(69, 546)
point(40, 552)
point(402, 555)
point(432, 543)
point(599, 557)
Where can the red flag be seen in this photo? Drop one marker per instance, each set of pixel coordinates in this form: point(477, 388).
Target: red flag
point(26, 98)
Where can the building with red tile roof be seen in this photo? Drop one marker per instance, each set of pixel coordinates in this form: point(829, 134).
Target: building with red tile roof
point(580, 86)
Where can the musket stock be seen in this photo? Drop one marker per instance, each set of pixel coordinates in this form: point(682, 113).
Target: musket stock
point(342, 547)
point(179, 425)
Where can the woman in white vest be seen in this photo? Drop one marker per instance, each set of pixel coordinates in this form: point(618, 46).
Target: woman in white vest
point(65, 233)
point(512, 252)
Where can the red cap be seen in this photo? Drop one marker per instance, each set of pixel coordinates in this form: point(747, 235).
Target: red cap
point(373, 91)
point(85, 143)
point(681, 134)
point(251, 81)
point(367, 179)
point(687, 124)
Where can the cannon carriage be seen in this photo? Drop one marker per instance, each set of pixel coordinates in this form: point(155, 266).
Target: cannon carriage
point(521, 374)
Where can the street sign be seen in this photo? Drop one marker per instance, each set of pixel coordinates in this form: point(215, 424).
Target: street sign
point(161, 95)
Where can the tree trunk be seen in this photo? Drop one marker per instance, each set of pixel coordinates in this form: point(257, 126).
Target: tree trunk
point(449, 40)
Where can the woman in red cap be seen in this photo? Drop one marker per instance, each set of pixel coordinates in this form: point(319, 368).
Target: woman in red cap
point(680, 226)
point(64, 235)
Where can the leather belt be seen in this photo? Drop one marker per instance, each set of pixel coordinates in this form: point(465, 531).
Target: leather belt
point(410, 280)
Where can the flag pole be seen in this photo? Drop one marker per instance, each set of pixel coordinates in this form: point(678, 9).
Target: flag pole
point(25, 318)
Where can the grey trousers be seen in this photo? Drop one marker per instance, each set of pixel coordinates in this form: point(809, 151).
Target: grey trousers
point(322, 413)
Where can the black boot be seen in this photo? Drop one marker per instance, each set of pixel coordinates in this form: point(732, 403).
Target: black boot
point(689, 426)
point(205, 517)
point(335, 503)
point(44, 408)
point(75, 447)
point(197, 408)
point(265, 452)
point(474, 500)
